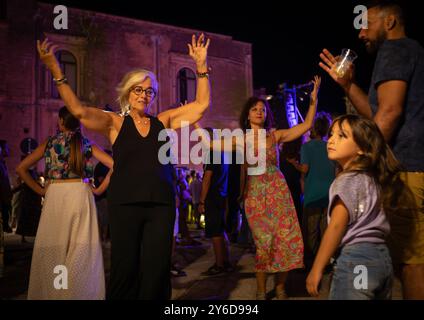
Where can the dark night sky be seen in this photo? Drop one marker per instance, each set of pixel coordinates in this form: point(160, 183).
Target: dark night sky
point(287, 37)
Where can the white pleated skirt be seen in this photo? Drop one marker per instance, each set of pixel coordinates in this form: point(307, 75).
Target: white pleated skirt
point(67, 261)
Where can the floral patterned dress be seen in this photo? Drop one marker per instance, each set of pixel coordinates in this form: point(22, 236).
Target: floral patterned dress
point(272, 218)
point(57, 155)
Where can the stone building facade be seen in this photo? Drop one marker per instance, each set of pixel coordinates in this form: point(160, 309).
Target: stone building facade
point(96, 51)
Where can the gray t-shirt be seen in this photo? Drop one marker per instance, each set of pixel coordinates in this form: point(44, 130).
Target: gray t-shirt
point(403, 59)
point(367, 220)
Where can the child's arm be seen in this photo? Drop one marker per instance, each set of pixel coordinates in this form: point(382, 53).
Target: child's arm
point(329, 244)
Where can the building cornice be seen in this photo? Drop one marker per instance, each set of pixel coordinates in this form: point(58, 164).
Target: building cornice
point(144, 23)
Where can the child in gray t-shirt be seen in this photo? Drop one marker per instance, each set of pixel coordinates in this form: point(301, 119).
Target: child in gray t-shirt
point(360, 195)
point(357, 222)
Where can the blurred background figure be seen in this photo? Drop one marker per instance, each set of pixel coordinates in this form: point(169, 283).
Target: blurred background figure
point(233, 217)
point(100, 173)
point(290, 154)
point(5, 189)
point(27, 208)
point(319, 173)
point(195, 189)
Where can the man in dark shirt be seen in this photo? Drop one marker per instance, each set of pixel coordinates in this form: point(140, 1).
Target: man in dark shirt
point(212, 204)
point(396, 103)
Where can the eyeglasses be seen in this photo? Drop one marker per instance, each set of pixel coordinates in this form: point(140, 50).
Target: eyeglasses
point(150, 92)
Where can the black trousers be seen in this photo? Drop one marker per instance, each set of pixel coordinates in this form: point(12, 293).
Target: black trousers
point(141, 244)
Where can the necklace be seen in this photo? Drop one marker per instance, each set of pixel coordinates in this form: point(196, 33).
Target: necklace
point(145, 121)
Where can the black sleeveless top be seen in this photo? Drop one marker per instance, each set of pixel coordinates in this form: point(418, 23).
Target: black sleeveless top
point(138, 176)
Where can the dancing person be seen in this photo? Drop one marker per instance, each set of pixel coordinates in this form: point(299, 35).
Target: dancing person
point(269, 206)
point(395, 101)
point(268, 203)
point(367, 190)
point(141, 196)
point(67, 234)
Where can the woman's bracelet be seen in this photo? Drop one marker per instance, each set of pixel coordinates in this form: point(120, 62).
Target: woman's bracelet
point(60, 81)
point(203, 74)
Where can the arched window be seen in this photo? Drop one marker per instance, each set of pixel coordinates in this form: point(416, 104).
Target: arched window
point(68, 63)
point(186, 85)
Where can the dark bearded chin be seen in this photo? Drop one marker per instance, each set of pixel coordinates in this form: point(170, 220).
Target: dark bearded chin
point(375, 44)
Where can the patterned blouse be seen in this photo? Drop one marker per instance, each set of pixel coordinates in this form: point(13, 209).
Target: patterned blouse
point(57, 156)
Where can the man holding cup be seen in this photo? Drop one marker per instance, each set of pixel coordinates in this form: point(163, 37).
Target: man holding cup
point(395, 101)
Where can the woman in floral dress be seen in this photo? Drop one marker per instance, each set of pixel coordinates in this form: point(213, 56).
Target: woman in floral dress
point(268, 203)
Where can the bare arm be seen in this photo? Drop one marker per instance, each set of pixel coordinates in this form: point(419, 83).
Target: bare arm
point(359, 100)
point(225, 144)
point(91, 118)
point(102, 156)
point(302, 168)
point(193, 111)
point(28, 162)
point(103, 185)
point(107, 160)
point(285, 135)
point(391, 98)
point(329, 244)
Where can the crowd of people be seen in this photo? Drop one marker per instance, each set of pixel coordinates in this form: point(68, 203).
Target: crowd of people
point(350, 195)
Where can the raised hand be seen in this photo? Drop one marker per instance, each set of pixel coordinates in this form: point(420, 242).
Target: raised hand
point(329, 65)
point(46, 52)
point(198, 50)
point(317, 84)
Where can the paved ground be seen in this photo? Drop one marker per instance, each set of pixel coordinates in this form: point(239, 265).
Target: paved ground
point(239, 285)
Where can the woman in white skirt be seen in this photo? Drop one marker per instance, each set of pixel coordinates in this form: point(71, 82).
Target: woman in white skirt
point(67, 261)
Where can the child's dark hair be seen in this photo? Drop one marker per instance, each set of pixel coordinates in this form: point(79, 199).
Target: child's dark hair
point(76, 157)
point(376, 159)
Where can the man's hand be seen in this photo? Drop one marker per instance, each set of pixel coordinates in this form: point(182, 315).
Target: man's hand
point(329, 65)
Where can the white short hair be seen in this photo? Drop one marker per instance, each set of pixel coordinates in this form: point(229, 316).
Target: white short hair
point(131, 79)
